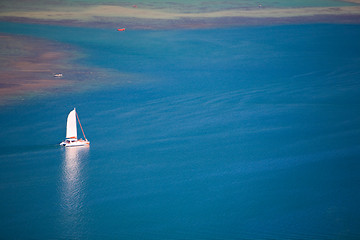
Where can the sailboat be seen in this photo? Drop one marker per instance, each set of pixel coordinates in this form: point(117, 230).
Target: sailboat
point(71, 132)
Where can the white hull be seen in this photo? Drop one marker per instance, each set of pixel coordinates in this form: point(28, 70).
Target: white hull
point(75, 143)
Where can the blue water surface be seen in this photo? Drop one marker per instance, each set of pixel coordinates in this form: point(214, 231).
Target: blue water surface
point(169, 5)
point(241, 133)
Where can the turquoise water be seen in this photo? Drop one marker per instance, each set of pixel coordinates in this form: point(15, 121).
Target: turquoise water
point(172, 5)
point(241, 133)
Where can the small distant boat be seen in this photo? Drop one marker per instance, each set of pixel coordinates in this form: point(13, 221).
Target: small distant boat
point(58, 75)
point(121, 29)
point(71, 132)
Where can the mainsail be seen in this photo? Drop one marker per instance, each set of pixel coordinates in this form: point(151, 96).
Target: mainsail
point(71, 130)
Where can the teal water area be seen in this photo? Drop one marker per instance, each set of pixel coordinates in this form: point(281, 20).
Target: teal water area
point(242, 133)
point(171, 5)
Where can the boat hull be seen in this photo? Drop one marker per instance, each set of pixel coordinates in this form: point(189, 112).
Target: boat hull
point(75, 143)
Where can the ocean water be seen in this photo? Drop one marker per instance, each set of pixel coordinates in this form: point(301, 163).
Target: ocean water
point(171, 5)
point(239, 133)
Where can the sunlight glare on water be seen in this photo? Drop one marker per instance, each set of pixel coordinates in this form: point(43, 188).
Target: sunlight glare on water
point(73, 190)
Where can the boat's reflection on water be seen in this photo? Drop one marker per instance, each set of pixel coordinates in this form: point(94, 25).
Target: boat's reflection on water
point(73, 190)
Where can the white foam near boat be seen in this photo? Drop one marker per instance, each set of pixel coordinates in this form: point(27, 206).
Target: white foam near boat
point(71, 132)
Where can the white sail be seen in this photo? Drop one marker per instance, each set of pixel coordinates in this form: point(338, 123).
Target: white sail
point(71, 130)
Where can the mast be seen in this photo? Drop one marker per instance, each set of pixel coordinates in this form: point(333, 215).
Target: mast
point(80, 126)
